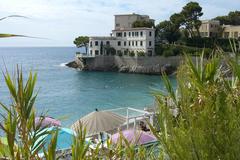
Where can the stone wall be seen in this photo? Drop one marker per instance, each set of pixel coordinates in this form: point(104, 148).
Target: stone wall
point(144, 65)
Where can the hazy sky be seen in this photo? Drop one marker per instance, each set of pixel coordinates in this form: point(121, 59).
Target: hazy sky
point(62, 20)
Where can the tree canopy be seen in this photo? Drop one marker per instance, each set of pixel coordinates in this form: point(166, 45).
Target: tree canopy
point(82, 41)
point(191, 14)
point(188, 18)
point(143, 23)
point(233, 18)
point(169, 31)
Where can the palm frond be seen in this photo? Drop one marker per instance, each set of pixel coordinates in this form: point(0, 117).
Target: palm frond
point(11, 16)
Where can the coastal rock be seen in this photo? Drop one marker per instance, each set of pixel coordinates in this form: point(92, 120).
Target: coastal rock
point(124, 69)
point(72, 64)
point(142, 65)
point(168, 69)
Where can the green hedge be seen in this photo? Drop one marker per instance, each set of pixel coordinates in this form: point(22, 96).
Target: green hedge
point(174, 50)
point(207, 42)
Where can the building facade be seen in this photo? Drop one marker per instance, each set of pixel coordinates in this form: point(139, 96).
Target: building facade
point(124, 39)
point(230, 31)
point(212, 28)
point(209, 28)
point(125, 21)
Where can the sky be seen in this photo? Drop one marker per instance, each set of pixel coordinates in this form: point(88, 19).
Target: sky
point(58, 22)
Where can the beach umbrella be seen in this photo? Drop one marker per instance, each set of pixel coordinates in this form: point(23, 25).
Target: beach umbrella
point(64, 138)
point(136, 137)
point(47, 122)
point(99, 121)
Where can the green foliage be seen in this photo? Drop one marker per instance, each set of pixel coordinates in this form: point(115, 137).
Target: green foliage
point(6, 35)
point(109, 50)
point(140, 54)
point(206, 125)
point(175, 50)
point(19, 122)
point(143, 23)
point(207, 42)
point(233, 18)
point(126, 52)
point(188, 17)
point(131, 53)
point(168, 53)
point(79, 147)
point(168, 30)
point(50, 153)
point(119, 53)
point(191, 13)
point(82, 41)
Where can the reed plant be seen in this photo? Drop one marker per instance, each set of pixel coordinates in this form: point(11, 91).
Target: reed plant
point(207, 123)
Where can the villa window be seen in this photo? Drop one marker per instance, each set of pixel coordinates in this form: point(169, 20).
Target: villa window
point(125, 43)
point(132, 43)
point(141, 33)
point(141, 43)
point(119, 43)
point(235, 34)
point(96, 52)
point(129, 34)
point(150, 43)
point(136, 34)
point(90, 52)
point(96, 43)
point(136, 43)
point(91, 44)
point(129, 43)
point(125, 34)
point(150, 33)
point(132, 34)
point(119, 34)
point(150, 53)
point(107, 43)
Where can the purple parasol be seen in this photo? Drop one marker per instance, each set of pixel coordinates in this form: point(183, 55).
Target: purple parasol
point(135, 137)
point(47, 122)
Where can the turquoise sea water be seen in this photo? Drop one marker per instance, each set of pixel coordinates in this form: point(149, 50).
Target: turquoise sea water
point(68, 93)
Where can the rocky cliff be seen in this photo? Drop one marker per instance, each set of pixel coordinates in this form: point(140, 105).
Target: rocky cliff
point(142, 65)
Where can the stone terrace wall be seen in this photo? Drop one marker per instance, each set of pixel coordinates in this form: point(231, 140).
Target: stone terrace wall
point(144, 65)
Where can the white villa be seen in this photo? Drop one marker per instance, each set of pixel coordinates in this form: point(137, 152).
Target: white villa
point(124, 39)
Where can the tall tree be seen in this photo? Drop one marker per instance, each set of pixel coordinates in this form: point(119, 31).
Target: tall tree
point(143, 23)
point(177, 19)
point(192, 12)
point(169, 31)
point(82, 41)
point(233, 18)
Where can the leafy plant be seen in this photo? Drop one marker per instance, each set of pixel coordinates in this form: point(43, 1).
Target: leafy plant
point(206, 125)
point(19, 120)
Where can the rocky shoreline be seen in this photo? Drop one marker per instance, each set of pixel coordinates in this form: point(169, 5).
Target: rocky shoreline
point(143, 65)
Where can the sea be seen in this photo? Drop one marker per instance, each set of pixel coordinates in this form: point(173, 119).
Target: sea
point(69, 94)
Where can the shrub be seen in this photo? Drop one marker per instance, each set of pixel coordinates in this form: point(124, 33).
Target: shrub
point(119, 53)
point(175, 50)
point(131, 53)
point(207, 111)
point(125, 52)
point(140, 54)
point(209, 42)
point(168, 53)
point(159, 50)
